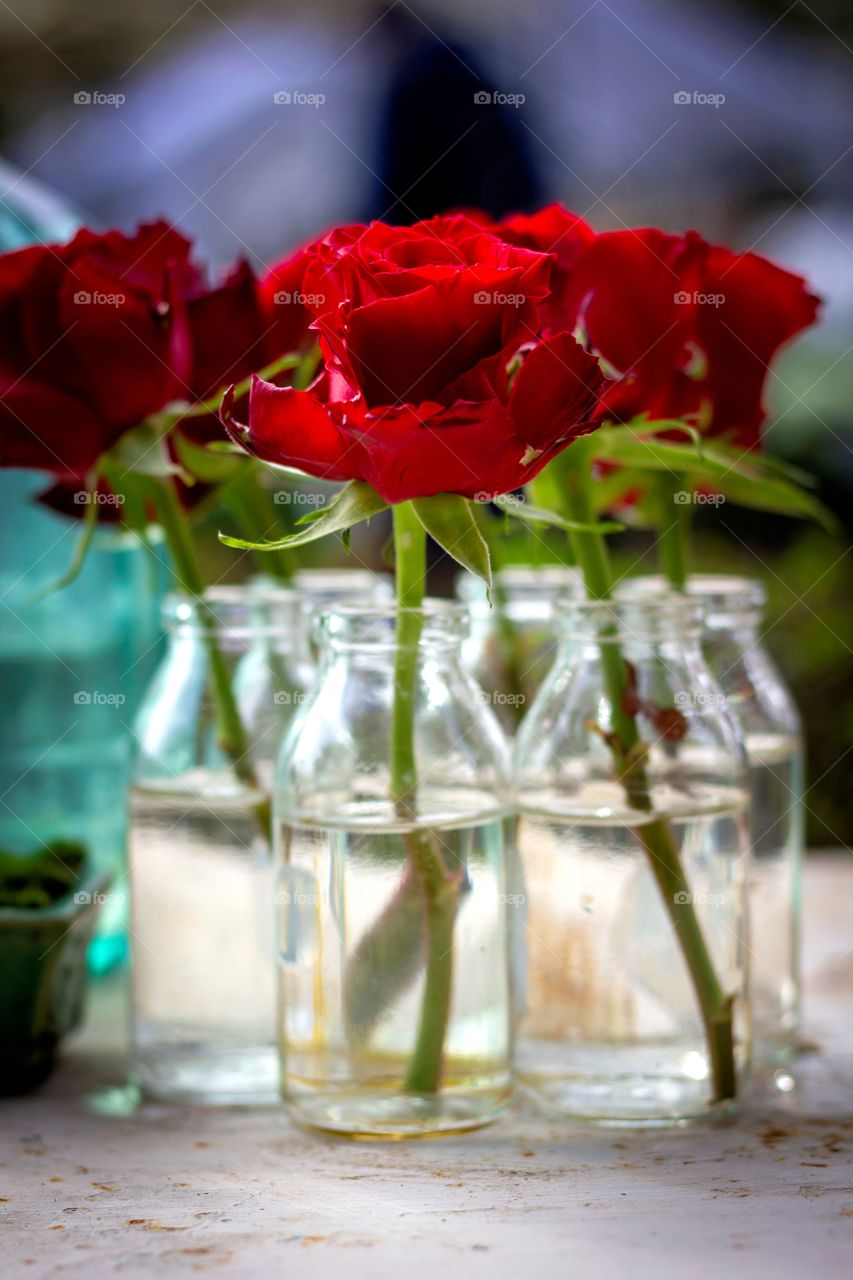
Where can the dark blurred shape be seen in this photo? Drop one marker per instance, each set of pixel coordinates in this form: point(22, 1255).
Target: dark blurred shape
point(441, 148)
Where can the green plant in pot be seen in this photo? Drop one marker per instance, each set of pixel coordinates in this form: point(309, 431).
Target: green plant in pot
point(48, 903)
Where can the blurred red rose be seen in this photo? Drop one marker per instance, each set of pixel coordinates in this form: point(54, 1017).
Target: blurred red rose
point(435, 379)
point(689, 329)
point(98, 334)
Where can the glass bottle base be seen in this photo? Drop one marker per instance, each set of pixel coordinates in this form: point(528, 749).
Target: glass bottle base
point(654, 1089)
point(210, 1075)
point(393, 1116)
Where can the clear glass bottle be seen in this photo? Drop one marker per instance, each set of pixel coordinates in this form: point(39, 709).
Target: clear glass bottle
point(624, 855)
point(201, 873)
point(757, 695)
point(512, 642)
point(393, 958)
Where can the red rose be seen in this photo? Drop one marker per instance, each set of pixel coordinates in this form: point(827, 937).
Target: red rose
point(94, 338)
point(435, 379)
point(692, 327)
point(101, 333)
point(553, 230)
point(284, 302)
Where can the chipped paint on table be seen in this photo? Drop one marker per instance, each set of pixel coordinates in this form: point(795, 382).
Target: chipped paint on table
point(89, 1190)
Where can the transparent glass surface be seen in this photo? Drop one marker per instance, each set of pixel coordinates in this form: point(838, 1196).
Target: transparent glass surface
point(201, 871)
point(365, 886)
point(609, 1027)
point(757, 696)
point(512, 643)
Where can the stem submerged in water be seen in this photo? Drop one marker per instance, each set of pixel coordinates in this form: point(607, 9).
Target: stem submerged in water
point(438, 887)
point(656, 837)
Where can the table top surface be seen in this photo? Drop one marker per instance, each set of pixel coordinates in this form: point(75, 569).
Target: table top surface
point(91, 1186)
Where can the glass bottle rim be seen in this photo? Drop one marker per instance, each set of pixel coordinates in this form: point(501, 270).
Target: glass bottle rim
point(373, 625)
point(242, 611)
point(726, 598)
point(664, 617)
point(521, 577)
point(340, 581)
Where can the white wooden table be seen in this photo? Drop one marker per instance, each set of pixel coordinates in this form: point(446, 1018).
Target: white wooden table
point(91, 1191)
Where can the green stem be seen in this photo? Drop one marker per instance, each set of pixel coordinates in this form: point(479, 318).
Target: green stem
point(590, 551)
point(673, 528)
point(232, 733)
point(438, 887)
point(246, 498)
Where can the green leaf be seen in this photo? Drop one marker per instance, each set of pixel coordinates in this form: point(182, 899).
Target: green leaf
point(742, 476)
point(355, 502)
point(210, 466)
point(772, 493)
point(143, 450)
point(540, 515)
point(450, 521)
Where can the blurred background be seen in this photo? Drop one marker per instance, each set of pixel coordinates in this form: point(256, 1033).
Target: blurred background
point(253, 124)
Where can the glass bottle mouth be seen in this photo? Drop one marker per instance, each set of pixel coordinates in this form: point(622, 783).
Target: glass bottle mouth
point(373, 626)
point(324, 588)
point(652, 619)
point(727, 600)
point(530, 591)
point(243, 612)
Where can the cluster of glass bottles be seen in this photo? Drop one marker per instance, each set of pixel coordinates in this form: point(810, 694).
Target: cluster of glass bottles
point(508, 924)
